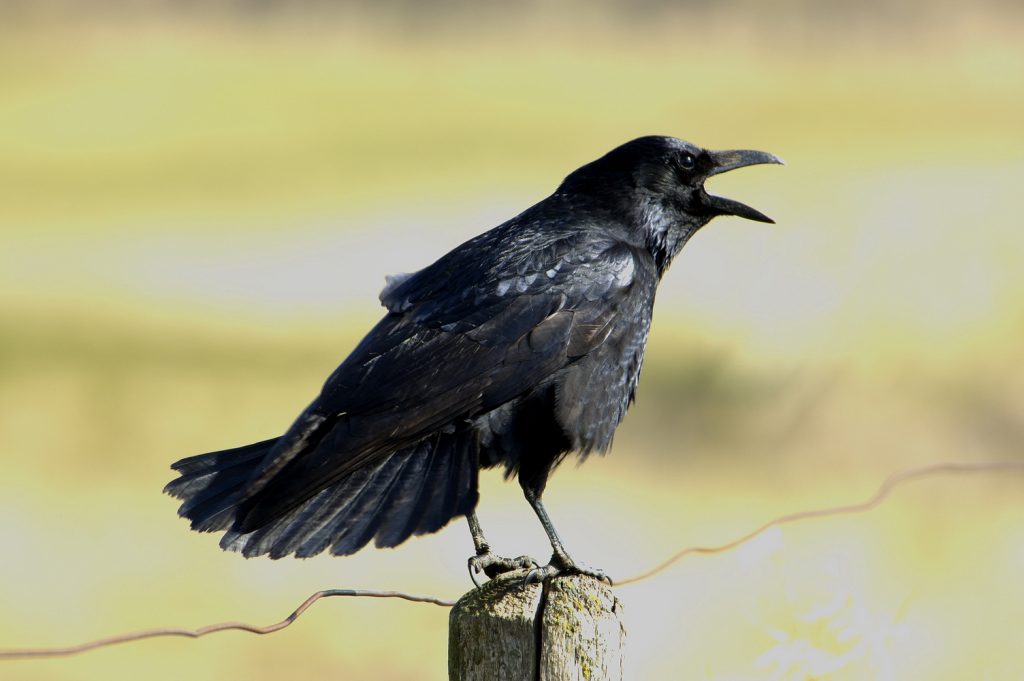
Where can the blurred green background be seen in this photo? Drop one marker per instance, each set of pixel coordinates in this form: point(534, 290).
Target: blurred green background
point(199, 203)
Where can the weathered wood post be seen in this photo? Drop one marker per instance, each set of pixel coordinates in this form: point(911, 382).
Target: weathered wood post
point(568, 629)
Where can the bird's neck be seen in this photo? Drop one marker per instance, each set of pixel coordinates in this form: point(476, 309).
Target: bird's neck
point(664, 237)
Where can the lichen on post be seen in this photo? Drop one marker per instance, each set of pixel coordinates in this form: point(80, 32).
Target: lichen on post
point(568, 629)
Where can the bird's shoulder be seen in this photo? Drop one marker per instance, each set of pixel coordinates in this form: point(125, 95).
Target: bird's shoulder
point(566, 257)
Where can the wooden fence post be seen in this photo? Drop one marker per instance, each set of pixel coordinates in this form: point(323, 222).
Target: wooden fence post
point(568, 629)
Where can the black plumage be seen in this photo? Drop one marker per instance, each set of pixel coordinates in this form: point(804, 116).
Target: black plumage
point(514, 349)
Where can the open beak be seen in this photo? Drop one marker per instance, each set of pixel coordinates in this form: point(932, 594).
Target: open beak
point(724, 161)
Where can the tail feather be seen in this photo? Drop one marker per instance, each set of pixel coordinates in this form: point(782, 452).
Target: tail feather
point(448, 496)
point(355, 529)
point(211, 485)
point(413, 491)
point(215, 461)
point(310, 520)
point(407, 498)
point(353, 498)
point(310, 543)
point(447, 488)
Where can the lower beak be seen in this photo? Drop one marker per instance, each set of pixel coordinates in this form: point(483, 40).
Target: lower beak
point(724, 161)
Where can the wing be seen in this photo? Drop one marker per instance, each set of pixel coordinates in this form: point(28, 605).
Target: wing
point(461, 338)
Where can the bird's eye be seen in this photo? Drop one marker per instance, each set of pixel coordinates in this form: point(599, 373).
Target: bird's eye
point(687, 162)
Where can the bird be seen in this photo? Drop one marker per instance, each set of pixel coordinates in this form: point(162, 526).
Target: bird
point(515, 349)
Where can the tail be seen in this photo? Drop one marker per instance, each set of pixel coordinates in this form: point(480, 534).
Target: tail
point(213, 485)
point(416, 490)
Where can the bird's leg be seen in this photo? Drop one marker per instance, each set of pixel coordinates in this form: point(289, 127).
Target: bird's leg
point(561, 561)
point(486, 561)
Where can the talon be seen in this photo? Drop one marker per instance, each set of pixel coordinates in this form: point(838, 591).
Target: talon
point(472, 573)
point(493, 565)
point(540, 574)
point(564, 565)
point(599, 575)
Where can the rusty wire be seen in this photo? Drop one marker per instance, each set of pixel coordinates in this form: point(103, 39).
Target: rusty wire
point(881, 494)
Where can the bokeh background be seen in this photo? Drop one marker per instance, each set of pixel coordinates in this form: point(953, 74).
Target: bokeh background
point(199, 203)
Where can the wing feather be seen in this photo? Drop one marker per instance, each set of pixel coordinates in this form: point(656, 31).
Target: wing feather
point(449, 350)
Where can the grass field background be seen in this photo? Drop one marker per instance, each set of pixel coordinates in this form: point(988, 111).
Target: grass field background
point(197, 215)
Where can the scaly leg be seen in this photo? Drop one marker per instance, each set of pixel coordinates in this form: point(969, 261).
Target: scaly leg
point(485, 560)
point(561, 562)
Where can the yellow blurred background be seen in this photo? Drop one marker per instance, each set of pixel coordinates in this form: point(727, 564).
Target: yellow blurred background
point(199, 203)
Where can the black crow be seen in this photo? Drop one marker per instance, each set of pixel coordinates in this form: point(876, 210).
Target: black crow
point(516, 348)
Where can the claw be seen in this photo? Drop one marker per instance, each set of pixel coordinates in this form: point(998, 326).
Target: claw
point(493, 565)
point(563, 565)
point(539, 574)
point(597, 574)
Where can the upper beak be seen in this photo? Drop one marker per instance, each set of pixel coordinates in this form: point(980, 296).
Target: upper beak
point(723, 161)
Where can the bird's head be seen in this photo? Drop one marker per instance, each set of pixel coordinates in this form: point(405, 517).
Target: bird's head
point(659, 183)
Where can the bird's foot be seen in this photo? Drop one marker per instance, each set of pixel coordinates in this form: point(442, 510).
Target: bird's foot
point(564, 565)
point(493, 565)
